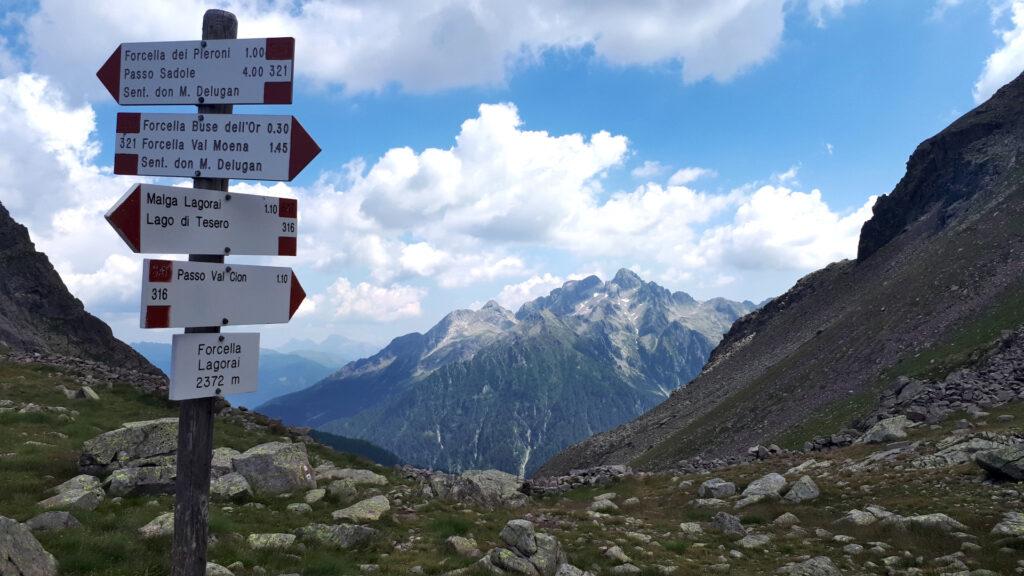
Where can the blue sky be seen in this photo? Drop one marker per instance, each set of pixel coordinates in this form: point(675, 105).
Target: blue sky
point(494, 150)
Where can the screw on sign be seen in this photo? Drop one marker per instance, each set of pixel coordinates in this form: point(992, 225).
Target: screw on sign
point(207, 222)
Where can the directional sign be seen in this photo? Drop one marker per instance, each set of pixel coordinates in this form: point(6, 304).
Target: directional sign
point(204, 365)
point(178, 294)
point(170, 220)
point(254, 147)
point(249, 71)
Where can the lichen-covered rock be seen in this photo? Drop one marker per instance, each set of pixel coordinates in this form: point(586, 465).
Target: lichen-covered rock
point(342, 490)
point(162, 525)
point(135, 481)
point(728, 524)
point(936, 521)
point(369, 510)
point(1003, 463)
point(520, 535)
point(462, 546)
point(342, 536)
point(817, 566)
point(716, 488)
point(82, 481)
point(887, 430)
point(276, 468)
point(133, 441)
point(315, 495)
point(223, 461)
point(213, 569)
point(767, 485)
point(52, 522)
point(1012, 524)
point(484, 488)
point(74, 499)
point(355, 475)
point(270, 541)
point(549, 555)
point(690, 529)
point(21, 554)
point(232, 486)
point(802, 490)
point(508, 561)
point(752, 541)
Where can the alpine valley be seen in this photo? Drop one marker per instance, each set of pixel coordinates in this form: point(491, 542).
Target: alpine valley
point(495, 389)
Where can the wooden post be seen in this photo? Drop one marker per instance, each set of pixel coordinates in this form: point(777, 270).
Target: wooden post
point(195, 421)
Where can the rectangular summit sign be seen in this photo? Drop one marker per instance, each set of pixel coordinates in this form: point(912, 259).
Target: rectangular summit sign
point(183, 294)
point(171, 220)
point(252, 147)
point(205, 365)
point(247, 71)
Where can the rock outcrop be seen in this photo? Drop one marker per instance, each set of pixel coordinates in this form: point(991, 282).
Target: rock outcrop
point(21, 554)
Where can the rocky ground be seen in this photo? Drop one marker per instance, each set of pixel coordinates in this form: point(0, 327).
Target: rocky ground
point(86, 462)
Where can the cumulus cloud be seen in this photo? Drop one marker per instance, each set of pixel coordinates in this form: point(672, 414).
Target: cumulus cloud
point(649, 169)
point(822, 10)
point(424, 45)
point(369, 301)
point(684, 176)
point(513, 296)
point(1007, 62)
point(782, 229)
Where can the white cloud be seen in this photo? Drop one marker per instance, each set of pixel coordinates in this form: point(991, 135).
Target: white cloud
point(685, 176)
point(781, 229)
point(822, 10)
point(423, 45)
point(513, 296)
point(1007, 62)
point(364, 300)
point(649, 169)
point(115, 282)
point(941, 6)
point(787, 177)
point(829, 148)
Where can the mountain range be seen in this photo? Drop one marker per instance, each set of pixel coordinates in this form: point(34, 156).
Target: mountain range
point(490, 388)
point(938, 277)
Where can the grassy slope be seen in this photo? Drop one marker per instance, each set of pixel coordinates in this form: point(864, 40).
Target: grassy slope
point(108, 545)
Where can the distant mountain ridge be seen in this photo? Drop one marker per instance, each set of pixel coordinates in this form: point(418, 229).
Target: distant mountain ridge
point(333, 351)
point(939, 276)
point(490, 388)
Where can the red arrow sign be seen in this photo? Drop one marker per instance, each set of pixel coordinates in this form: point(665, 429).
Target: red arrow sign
point(253, 147)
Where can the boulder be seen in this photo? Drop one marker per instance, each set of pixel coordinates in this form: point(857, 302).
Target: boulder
point(230, 487)
point(767, 485)
point(369, 510)
point(75, 499)
point(887, 430)
point(462, 546)
point(340, 536)
point(520, 536)
point(299, 508)
point(1012, 524)
point(752, 541)
point(802, 490)
point(549, 555)
point(213, 569)
point(87, 393)
point(507, 561)
point(786, 520)
point(354, 475)
point(935, 521)
point(315, 495)
point(728, 524)
point(817, 566)
point(276, 468)
point(223, 461)
point(1007, 463)
point(484, 488)
point(716, 488)
point(342, 490)
point(270, 541)
point(82, 481)
point(132, 442)
point(21, 554)
point(690, 529)
point(162, 525)
point(135, 481)
point(603, 505)
point(52, 522)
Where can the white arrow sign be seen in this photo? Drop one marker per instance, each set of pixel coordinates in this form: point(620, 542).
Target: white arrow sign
point(253, 147)
point(178, 294)
point(247, 71)
point(204, 365)
point(170, 220)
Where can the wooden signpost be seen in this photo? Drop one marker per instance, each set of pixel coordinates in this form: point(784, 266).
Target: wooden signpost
point(207, 222)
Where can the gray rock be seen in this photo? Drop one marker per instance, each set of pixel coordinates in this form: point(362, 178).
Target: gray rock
point(1004, 463)
point(276, 468)
point(549, 555)
point(817, 566)
point(342, 536)
point(213, 569)
point(716, 488)
point(342, 490)
point(786, 520)
point(231, 487)
point(299, 508)
point(52, 522)
point(82, 482)
point(87, 393)
point(520, 536)
point(767, 485)
point(603, 506)
point(626, 569)
point(616, 553)
point(223, 461)
point(162, 525)
point(752, 541)
point(936, 521)
point(75, 499)
point(802, 490)
point(133, 441)
point(887, 430)
point(355, 475)
point(462, 546)
point(508, 561)
point(570, 570)
point(133, 481)
point(493, 487)
point(314, 496)
point(691, 529)
point(1012, 524)
point(728, 524)
point(270, 541)
point(21, 554)
point(369, 510)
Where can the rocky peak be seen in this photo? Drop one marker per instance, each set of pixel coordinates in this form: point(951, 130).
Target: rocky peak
point(627, 279)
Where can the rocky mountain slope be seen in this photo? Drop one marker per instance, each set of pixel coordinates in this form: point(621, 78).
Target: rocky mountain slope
point(495, 389)
point(38, 314)
point(89, 479)
point(939, 275)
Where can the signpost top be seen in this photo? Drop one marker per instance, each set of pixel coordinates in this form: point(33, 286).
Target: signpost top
point(246, 71)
